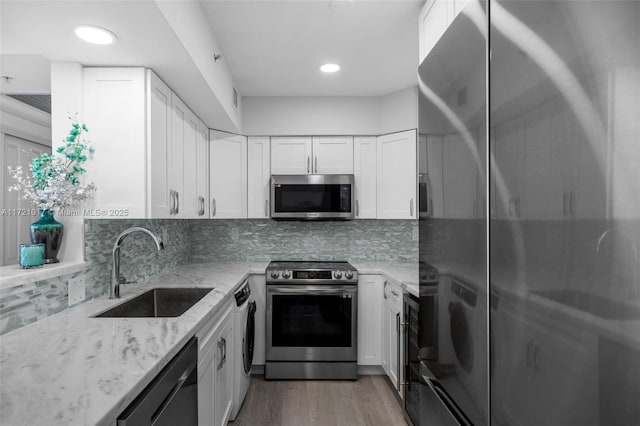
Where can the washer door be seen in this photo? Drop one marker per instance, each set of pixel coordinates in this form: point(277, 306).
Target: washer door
point(249, 338)
point(461, 336)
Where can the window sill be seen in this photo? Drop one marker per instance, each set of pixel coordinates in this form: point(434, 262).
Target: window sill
point(13, 275)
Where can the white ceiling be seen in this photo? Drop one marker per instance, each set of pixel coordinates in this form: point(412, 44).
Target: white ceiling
point(274, 48)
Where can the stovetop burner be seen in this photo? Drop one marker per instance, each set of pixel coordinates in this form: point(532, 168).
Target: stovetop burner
point(314, 272)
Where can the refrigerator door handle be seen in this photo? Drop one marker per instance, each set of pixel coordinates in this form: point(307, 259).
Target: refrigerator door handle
point(457, 417)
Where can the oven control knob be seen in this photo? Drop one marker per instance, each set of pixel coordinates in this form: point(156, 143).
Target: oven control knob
point(286, 274)
point(275, 274)
point(337, 275)
point(348, 275)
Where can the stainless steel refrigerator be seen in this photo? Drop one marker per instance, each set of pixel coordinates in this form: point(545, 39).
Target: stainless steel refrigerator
point(529, 178)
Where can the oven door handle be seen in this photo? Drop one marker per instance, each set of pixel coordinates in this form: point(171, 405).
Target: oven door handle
point(307, 289)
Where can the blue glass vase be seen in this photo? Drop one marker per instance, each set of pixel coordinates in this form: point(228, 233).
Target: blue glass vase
point(48, 231)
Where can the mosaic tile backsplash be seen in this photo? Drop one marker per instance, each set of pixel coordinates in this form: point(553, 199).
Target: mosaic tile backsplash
point(259, 239)
point(206, 241)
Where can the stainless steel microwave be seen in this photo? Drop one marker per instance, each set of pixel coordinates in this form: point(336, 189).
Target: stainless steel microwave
point(312, 197)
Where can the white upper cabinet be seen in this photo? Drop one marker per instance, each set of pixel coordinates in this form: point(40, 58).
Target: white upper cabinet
point(309, 155)
point(159, 133)
point(202, 170)
point(228, 175)
point(364, 170)
point(145, 139)
point(291, 155)
point(332, 155)
point(258, 176)
point(189, 204)
point(115, 110)
point(397, 178)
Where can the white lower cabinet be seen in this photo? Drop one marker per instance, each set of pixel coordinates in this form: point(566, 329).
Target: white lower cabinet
point(392, 352)
point(215, 369)
point(370, 308)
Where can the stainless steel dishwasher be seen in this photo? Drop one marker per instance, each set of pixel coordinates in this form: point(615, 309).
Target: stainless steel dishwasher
point(172, 397)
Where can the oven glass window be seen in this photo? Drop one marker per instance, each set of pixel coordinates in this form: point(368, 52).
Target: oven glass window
point(311, 321)
point(313, 198)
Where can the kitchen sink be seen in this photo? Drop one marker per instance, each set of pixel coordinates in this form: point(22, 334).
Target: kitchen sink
point(158, 302)
point(593, 304)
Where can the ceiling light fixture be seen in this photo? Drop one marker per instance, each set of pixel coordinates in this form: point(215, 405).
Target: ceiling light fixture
point(330, 68)
point(95, 35)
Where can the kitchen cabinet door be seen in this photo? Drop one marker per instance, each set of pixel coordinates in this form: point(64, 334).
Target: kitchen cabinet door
point(179, 133)
point(397, 178)
point(189, 204)
point(215, 368)
point(433, 21)
point(370, 309)
point(258, 177)
point(332, 155)
point(228, 175)
point(364, 170)
point(159, 134)
point(224, 364)
point(393, 335)
point(115, 112)
point(202, 170)
point(291, 155)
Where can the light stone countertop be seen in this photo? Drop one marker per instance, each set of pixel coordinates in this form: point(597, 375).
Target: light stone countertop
point(72, 369)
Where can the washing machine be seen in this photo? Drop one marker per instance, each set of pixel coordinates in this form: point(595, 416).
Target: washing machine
point(462, 342)
point(244, 322)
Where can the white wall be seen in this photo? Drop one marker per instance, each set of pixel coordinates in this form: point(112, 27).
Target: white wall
point(399, 110)
point(330, 115)
point(66, 98)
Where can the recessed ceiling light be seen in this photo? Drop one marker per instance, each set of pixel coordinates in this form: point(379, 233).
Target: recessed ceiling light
point(330, 68)
point(95, 35)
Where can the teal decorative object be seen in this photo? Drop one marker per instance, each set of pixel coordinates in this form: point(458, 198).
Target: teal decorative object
point(48, 231)
point(31, 255)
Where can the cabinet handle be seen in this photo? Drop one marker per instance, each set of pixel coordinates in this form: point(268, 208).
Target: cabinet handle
point(177, 202)
point(224, 350)
point(221, 362)
point(572, 203)
point(266, 208)
point(172, 203)
point(213, 206)
point(357, 208)
point(201, 199)
point(384, 290)
point(308, 160)
point(395, 293)
point(411, 207)
point(316, 164)
point(398, 379)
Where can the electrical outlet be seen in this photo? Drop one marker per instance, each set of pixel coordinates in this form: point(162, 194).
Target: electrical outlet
point(235, 234)
point(165, 237)
point(77, 290)
point(414, 234)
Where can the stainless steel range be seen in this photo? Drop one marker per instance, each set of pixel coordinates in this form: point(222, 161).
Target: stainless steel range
point(311, 320)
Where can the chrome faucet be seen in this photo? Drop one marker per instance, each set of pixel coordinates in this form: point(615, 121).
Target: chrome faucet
point(117, 280)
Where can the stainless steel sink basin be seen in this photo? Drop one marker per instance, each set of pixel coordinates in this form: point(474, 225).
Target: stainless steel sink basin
point(593, 304)
point(158, 302)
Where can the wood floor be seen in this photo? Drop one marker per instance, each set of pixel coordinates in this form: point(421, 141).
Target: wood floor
point(369, 401)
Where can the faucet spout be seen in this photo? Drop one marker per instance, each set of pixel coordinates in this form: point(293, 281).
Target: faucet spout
point(114, 290)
